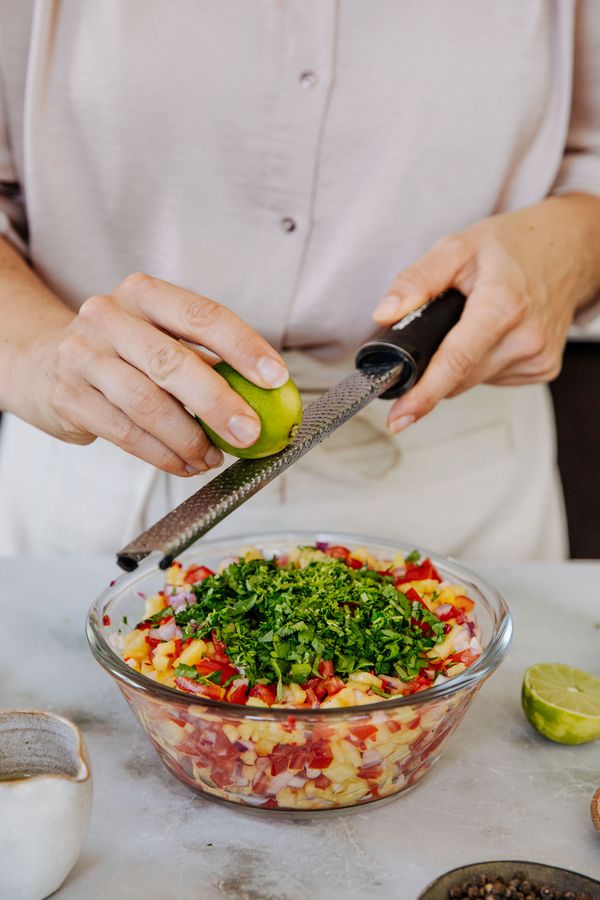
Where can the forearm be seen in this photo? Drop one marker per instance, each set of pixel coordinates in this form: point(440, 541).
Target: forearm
point(29, 312)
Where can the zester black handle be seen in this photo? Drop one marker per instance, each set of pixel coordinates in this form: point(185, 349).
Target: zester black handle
point(413, 340)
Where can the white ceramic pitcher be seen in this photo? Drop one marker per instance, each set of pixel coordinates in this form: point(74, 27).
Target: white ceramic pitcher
point(45, 801)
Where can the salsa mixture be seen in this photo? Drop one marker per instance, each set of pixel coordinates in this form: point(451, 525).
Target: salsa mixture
point(320, 627)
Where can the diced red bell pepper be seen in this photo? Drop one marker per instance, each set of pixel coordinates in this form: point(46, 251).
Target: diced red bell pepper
point(334, 686)
point(319, 756)
point(238, 694)
point(322, 732)
point(317, 685)
point(196, 573)
point(322, 781)
point(106, 620)
point(311, 697)
point(464, 603)
point(287, 757)
point(412, 595)
point(393, 726)
point(465, 656)
point(326, 668)
point(265, 692)
point(354, 563)
point(421, 572)
point(338, 552)
point(213, 691)
point(209, 666)
point(370, 772)
point(362, 732)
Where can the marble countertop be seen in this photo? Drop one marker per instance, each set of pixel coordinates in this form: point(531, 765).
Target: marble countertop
point(499, 791)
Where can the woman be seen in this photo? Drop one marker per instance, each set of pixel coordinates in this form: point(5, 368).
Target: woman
point(288, 161)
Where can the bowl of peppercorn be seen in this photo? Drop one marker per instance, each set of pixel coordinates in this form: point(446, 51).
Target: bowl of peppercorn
point(514, 880)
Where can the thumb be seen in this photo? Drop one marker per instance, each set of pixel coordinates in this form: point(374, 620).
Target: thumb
point(428, 276)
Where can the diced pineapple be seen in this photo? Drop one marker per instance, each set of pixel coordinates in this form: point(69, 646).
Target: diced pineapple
point(251, 553)
point(345, 697)
point(133, 664)
point(232, 733)
point(287, 797)
point(365, 678)
point(135, 644)
point(340, 772)
point(193, 653)
point(364, 555)
point(298, 695)
point(245, 729)
point(175, 575)
point(154, 604)
point(162, 655)
point(249, 772)
point(264, 748)
point(248, 757)
point(255, 701)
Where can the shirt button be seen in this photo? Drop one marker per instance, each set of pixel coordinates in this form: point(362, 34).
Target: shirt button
point(308, 80)
point(288, 224)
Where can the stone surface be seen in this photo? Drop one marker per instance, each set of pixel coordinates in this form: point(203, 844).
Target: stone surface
point(499, 791)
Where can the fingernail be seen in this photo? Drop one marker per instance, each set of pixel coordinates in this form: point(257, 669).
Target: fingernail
point(213, 457)
point(388, 308)
point(399, 424)
point(192, 470)
point(244, 429)
point(272, 372)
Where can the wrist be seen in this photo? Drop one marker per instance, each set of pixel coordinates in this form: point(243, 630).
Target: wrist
point(26, 370)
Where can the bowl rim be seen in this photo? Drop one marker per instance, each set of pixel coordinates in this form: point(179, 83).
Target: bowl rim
point(475, 674)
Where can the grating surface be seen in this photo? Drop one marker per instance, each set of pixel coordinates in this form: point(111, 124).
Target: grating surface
point(204, 509)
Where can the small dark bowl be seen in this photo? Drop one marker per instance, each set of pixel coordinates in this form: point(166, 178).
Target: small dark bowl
point(538, 873)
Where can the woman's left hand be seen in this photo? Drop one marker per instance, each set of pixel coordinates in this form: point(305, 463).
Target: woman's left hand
point(524, 275)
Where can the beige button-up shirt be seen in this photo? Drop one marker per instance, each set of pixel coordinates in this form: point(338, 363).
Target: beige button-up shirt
point(285, 157)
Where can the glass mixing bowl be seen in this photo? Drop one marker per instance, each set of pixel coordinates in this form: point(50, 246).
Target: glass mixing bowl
point(286, 759)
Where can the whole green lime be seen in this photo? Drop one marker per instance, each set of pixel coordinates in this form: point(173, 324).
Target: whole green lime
point(279, 411)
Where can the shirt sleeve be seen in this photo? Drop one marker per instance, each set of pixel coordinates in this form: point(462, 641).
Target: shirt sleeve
point(580, 168)
point(12, 211)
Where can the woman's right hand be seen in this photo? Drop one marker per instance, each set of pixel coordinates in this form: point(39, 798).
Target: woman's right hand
point(119, 371)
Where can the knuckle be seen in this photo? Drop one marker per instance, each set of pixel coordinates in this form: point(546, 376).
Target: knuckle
point(195, 445)
point(201, 313)
point(410, 280)
point(166, 361)
point(148, 402)
point(534, 343)
point(460, 362)
point(96, 308)
point(70, 349)
point(126, 433)
point(505, 305)
point(514, 308)
point(61, 398)
point(452, 245)
point(135, 283)
point(548, 366)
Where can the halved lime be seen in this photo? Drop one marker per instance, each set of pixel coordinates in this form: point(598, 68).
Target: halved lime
point(562, 703)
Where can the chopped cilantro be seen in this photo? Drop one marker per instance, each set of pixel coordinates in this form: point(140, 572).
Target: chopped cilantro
point(279, 621)
point(413, 557)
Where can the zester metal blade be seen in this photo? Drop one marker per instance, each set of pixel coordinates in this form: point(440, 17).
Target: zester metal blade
point(204, 509)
